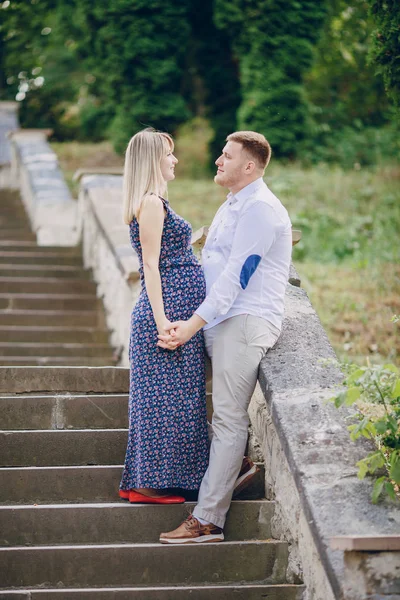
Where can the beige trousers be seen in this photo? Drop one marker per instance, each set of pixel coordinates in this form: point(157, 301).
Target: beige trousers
point(235, 347)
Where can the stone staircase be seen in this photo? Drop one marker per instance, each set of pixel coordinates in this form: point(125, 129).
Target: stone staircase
point(49, 313)
point(64, 533)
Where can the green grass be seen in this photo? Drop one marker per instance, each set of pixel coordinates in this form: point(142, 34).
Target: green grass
point(349, 255)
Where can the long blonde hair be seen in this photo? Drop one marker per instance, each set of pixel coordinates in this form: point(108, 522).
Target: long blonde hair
point(142, 170)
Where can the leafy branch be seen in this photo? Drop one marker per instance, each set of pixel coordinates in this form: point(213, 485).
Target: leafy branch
point(375, 390)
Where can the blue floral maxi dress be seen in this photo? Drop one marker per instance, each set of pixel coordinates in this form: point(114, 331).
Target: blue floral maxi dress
point(168, 439)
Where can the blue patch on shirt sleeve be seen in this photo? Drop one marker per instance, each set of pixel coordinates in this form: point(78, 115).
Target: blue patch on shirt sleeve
point(250, 265)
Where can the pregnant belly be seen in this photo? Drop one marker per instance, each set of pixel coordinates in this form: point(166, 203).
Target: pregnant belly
point(183, 291)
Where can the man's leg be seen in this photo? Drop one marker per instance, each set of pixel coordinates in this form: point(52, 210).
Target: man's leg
point(236, 347)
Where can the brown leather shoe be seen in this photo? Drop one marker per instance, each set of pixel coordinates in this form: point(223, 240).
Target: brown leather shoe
point(247, 472)
point(192, 531)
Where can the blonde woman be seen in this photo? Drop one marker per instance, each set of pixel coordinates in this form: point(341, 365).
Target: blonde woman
point(168, 441)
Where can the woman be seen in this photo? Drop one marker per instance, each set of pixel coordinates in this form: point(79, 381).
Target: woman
point(168, 442)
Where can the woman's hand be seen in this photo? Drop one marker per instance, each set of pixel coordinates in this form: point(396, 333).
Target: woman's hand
point(166, 329)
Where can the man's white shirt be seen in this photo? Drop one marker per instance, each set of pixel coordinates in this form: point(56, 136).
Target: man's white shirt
point(246, 257)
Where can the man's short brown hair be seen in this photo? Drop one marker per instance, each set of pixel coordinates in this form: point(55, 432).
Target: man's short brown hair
point(255, 144)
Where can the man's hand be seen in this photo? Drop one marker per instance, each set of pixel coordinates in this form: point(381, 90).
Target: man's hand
point(180, 332)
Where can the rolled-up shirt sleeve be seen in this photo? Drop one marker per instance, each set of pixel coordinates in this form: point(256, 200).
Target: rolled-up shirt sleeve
point(254, 235)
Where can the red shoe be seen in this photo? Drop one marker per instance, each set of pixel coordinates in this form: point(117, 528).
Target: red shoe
point(136, 497)
point(124, 494)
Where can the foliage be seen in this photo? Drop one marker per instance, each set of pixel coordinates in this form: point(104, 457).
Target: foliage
point(134, 52)
point(37, 64)
point(379, 388)
point(215, 76)
point(342, 87)
point(386, 48)
point(273, 41)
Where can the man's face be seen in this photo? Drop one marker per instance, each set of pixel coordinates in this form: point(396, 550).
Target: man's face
point(231, 166)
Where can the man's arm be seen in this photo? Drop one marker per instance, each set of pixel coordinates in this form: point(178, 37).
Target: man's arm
point(254, 235)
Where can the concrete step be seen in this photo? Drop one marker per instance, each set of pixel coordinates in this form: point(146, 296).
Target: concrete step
point(66, 302)
point(18, 232)
point(32, 246)
point(57, 361)
point(138, 564)
point(39, 258)
point(62, 447)
point(57, 271)
point(106, 380)
point(79, 335)
point(64, 412)
point(46, 285)
point(53, 349)
point(50, 485)
point(84, 318)
point(119, 523)
point(206, 592)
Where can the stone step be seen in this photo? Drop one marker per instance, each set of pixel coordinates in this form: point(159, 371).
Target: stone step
point(106, 380)
point(120, 522)
point(32, 246)
point(53, 349)
point(57, 271)
point(50, 317)
point(204, 592)
point(67, 302)
point(64, 412)
point(46, 285)
point(138, 564)
point(81, 335)
point(39, 258)
point(62, 447)
point(16, 233)
point(54, 485)
point(57, 361)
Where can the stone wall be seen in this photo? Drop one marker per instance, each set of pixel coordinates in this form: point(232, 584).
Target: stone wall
point(35, 170)
point(107, 251)
point(8, 123)
point(310, 461)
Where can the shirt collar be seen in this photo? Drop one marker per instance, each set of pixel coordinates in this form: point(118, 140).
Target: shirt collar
point(245, 192)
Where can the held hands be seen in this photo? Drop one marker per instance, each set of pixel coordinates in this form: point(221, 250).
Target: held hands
point(177, 334)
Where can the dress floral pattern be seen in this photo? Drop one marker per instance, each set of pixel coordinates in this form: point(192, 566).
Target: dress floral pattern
point(168, 439)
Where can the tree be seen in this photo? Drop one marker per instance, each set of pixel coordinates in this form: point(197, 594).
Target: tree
point(386, 47)
point(134, 53)
point(274, 42)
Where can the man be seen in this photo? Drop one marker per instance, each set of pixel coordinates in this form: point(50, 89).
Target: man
point(246, 262)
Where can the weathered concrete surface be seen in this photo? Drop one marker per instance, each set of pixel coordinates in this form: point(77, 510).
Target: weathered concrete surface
point(52, 211)
point(64, 411)
point(141, 564)
point(220, 592)
point(8, 123)
point(310, 460)
point(107, 251)
point(101, 380)
point(372, 576)
point(120, 522)
point(63, 447)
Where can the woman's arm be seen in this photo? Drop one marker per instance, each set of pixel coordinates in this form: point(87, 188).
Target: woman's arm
point(151, 222)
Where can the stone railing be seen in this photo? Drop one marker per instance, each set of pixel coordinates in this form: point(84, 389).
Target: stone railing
point(8, 123)
point(310, 463)
point(35, 170)
point(107, 251)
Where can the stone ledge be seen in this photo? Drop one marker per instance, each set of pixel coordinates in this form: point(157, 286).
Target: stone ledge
point(306, 435)
point(52, 211)
point(366, 543)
